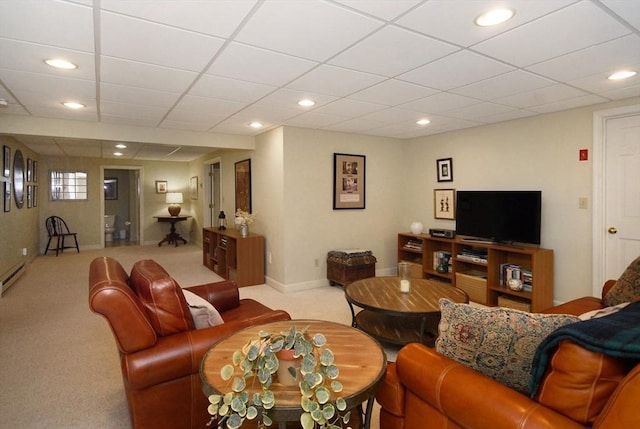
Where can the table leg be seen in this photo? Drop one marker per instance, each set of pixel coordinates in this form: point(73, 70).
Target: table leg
point(354, 324)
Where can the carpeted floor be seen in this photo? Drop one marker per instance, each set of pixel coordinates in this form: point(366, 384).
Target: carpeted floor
point(58, 363)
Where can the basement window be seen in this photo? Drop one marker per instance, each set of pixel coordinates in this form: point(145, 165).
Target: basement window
point(68, 185)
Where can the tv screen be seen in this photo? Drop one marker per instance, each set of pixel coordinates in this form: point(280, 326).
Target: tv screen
point(499, 216)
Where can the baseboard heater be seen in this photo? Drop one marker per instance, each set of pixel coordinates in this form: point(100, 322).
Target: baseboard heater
point(13, 275)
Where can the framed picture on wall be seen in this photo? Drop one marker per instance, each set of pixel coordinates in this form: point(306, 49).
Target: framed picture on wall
point(7, 196)
point(29, 169)
point(444, 203)
point(445, 170)
point(161, 186)
point(193, 187)
point(111, 188)
point(6, 161)
point(348, 181)
point(243, 185)
point(35, 196)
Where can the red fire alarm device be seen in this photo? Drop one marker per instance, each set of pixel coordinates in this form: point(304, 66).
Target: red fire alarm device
point(584, 154)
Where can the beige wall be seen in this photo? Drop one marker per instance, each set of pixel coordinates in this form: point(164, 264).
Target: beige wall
point(18, 227)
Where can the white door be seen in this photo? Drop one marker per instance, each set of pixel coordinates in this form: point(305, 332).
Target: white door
point(622, 194)
point(617, 226)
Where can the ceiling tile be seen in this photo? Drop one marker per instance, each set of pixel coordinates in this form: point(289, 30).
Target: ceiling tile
point(31, 58)
point(455, 70)
point(539, 96)
point(440, 103)
point(626, 8)
point(216, 18)
point(393, 92)
point(256, 65)
point(289, 98)
point(570, 103)
point(453, 20)
point(504, 85)
point(136, 120)
point(229, 89)
point(203, 106)
point(315, 119)
point(385, 9)
point(334, 81)
point(350, 108)
point(606, 57)
point(31, 21)
point(155, 44)
point(138, 96)
point(147, 76)
point(600, 83)
point(392, 51)
point(554, 35)
point(300, 28)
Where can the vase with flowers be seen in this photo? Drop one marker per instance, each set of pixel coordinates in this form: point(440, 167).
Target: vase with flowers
point(243, 220)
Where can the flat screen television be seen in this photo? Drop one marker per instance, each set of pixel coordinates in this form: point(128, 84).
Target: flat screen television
point(499, 216)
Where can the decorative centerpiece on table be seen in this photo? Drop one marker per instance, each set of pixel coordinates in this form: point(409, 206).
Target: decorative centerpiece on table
point(262, 359)
point(243, 220)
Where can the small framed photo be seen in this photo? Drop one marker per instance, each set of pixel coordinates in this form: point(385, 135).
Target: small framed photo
point(444, 204)
point(193, 187)
point(7, 196)
point(35, 196)
point(6, 161)
point(29, 196)
point(35, 171)
point(29, 169)
point(348, 181)
point(445, 170)
point(161, 186)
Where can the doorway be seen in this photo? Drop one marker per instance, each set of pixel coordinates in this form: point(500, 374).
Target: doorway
point(120, 214)
point(213, 191)
point(616, 196)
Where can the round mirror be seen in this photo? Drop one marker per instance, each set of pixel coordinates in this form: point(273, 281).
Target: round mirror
point(18, 178)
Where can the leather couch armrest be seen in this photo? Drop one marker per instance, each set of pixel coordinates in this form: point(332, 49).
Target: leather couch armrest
point(391, 393)
point(223, 295)
point(179, 355)
point(467, 397)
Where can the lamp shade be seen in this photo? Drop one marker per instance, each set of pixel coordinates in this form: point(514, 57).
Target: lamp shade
point(174, 198)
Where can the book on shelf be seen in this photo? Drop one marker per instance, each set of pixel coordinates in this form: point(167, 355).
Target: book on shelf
point(413, 244)
point(442, 261)
point(515, 271)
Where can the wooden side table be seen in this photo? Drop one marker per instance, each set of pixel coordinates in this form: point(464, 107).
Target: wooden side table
point(360, 358)
point(395, 317)
point(173, 236)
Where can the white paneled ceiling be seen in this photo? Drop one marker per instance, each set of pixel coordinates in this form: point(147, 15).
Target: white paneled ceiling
point(373, 67)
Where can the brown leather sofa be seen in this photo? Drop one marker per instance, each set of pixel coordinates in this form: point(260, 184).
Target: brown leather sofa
point(160, 349)
point(424, 389)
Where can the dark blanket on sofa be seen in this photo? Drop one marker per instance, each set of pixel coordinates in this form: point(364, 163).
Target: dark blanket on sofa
point(617, 334)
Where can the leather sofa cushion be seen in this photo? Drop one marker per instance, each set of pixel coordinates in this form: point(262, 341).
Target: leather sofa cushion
point(579, 382)
point(162, 298)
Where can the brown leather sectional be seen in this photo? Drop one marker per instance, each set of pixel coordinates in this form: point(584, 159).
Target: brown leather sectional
point(424, 389)
point(160, 350)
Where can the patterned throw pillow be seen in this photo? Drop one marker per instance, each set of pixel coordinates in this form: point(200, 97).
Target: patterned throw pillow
point(627, 288)
point(497, 342)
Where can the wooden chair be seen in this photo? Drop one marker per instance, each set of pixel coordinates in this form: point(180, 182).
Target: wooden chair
point(57, 228)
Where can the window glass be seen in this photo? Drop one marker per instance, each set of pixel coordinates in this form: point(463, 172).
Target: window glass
point(68, 185)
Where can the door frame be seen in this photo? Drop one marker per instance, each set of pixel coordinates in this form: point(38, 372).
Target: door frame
point(138, 190)
point(600, 119)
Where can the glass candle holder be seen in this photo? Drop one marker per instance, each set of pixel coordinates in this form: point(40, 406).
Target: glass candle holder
point(403, 273)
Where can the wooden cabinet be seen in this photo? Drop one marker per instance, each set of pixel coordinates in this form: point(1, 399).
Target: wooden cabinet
point(479, 268)
point(234, 257)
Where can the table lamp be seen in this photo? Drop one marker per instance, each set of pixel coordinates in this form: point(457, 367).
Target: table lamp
point(174, 199)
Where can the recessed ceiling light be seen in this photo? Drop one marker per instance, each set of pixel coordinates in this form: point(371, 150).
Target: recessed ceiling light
point(424, 121)
point(121, 146)
point(622, 75)
point(61, 64)
point(117, 153)
point(73, 105)
point(494, 17)
point(256, 125)
point(306, 103)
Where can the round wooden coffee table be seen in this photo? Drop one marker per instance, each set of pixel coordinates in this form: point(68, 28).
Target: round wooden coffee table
point(361, 360)
point(395, 317)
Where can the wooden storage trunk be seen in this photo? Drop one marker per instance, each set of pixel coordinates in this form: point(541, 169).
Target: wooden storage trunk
point(474, 286)
point(347, 266)
point(514, 302)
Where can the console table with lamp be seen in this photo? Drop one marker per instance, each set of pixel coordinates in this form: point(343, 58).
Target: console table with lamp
point(174, 199)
